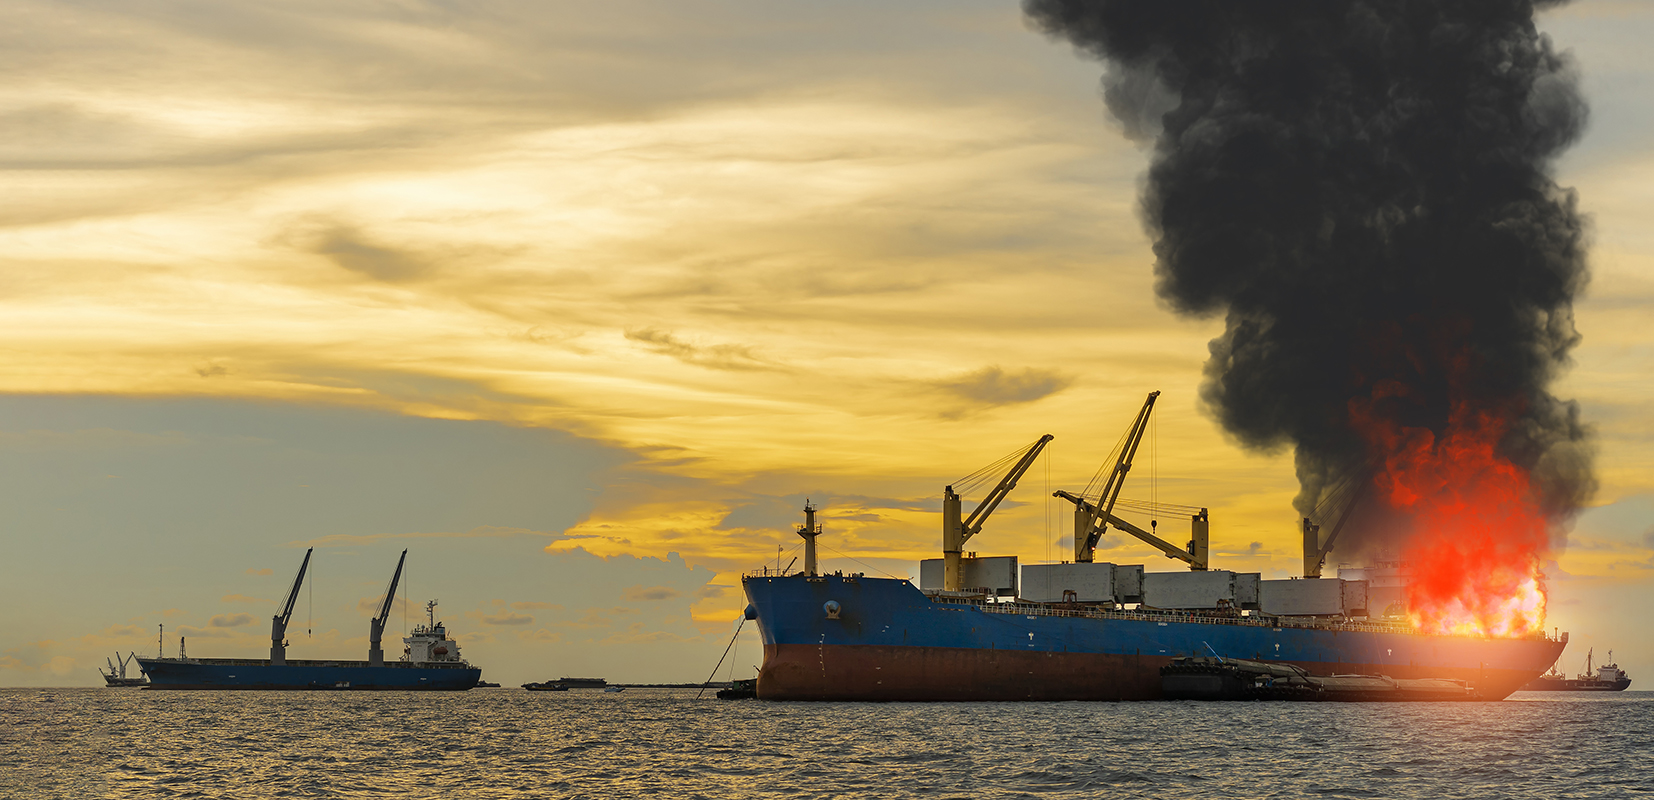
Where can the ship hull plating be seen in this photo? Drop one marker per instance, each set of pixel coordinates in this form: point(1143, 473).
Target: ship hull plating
point(884, 640)
point(298, 675)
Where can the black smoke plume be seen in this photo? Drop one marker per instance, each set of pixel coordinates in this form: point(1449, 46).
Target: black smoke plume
point(1365, 190)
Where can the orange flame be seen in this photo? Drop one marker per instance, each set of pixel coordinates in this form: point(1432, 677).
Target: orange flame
point(1478, 532)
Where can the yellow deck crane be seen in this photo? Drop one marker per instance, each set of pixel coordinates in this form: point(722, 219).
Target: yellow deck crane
point(1342, 495)
point(1091, 520)
point(956, 531)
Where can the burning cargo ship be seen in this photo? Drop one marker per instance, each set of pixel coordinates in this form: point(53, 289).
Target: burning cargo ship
point(430, 660)
point(1088, 630)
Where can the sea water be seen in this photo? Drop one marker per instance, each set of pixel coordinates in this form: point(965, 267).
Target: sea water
point(509, 743)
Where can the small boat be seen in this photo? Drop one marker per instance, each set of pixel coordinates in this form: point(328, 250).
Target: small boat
point(583, 683)
point(548, 686)
point(486, 685)
point(614, 689)
point(743, 689)
point(116, 678)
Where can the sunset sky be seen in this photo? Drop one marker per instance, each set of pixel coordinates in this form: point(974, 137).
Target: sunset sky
point(579, 302)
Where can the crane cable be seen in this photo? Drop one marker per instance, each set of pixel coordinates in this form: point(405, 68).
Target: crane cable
point(997, 469)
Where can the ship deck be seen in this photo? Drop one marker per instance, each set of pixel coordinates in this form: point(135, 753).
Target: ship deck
point(1204, 617)
point(300, 662)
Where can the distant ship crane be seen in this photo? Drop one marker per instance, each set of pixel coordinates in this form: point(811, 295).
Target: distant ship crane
point(278, 623)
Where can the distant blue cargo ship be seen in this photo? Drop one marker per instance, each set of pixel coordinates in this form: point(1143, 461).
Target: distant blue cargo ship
point(234, 673)
point(430, 661)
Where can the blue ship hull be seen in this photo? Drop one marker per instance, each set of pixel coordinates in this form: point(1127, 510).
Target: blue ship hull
point(889, 641)
point(230, 673)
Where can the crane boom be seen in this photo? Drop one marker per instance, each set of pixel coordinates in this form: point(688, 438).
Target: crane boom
point(1312, 532)
point(1086, 513)
point(955, 531)
point(1086, 544)
point(278, 623)
point(376, 626)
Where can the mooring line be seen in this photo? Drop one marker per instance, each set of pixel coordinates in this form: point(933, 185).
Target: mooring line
point(721, 658)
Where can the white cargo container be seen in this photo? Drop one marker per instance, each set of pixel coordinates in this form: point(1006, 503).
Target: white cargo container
point(1355, 598)
point(1051, 583)
point(1199, 589)
point(1302, 597)
point(997, 575)
point(1246, 589)
point(1128, 583)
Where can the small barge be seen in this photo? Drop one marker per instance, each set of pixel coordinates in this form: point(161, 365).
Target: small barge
point(1210, 678)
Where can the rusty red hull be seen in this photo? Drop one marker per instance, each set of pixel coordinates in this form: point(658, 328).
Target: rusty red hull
point(884, 673)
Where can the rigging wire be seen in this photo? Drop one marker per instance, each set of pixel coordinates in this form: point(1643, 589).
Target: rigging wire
point(997, 469)
point(1048, 499)
point(1163, 509)
point(766, 564)
point(869, 566)
point(1344, 489)
point(1154, 467)
point(1095, 487)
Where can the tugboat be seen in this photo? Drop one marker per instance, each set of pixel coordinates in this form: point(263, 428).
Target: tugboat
point(739, 689)
point(1608, 678)
point(547, 686)
point(116, 676)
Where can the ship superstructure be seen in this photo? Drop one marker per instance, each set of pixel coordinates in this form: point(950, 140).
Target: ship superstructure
point(429, 643)
point(430, 660)
point(985, 629)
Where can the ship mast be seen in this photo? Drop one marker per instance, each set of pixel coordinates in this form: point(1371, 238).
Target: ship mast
point(809, 531)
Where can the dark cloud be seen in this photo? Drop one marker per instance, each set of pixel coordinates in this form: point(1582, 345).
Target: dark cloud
point(652, 593)
point(353, 250)
point(211, 369)
point(717, 356)
point(192, 632)
point(996, 387)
